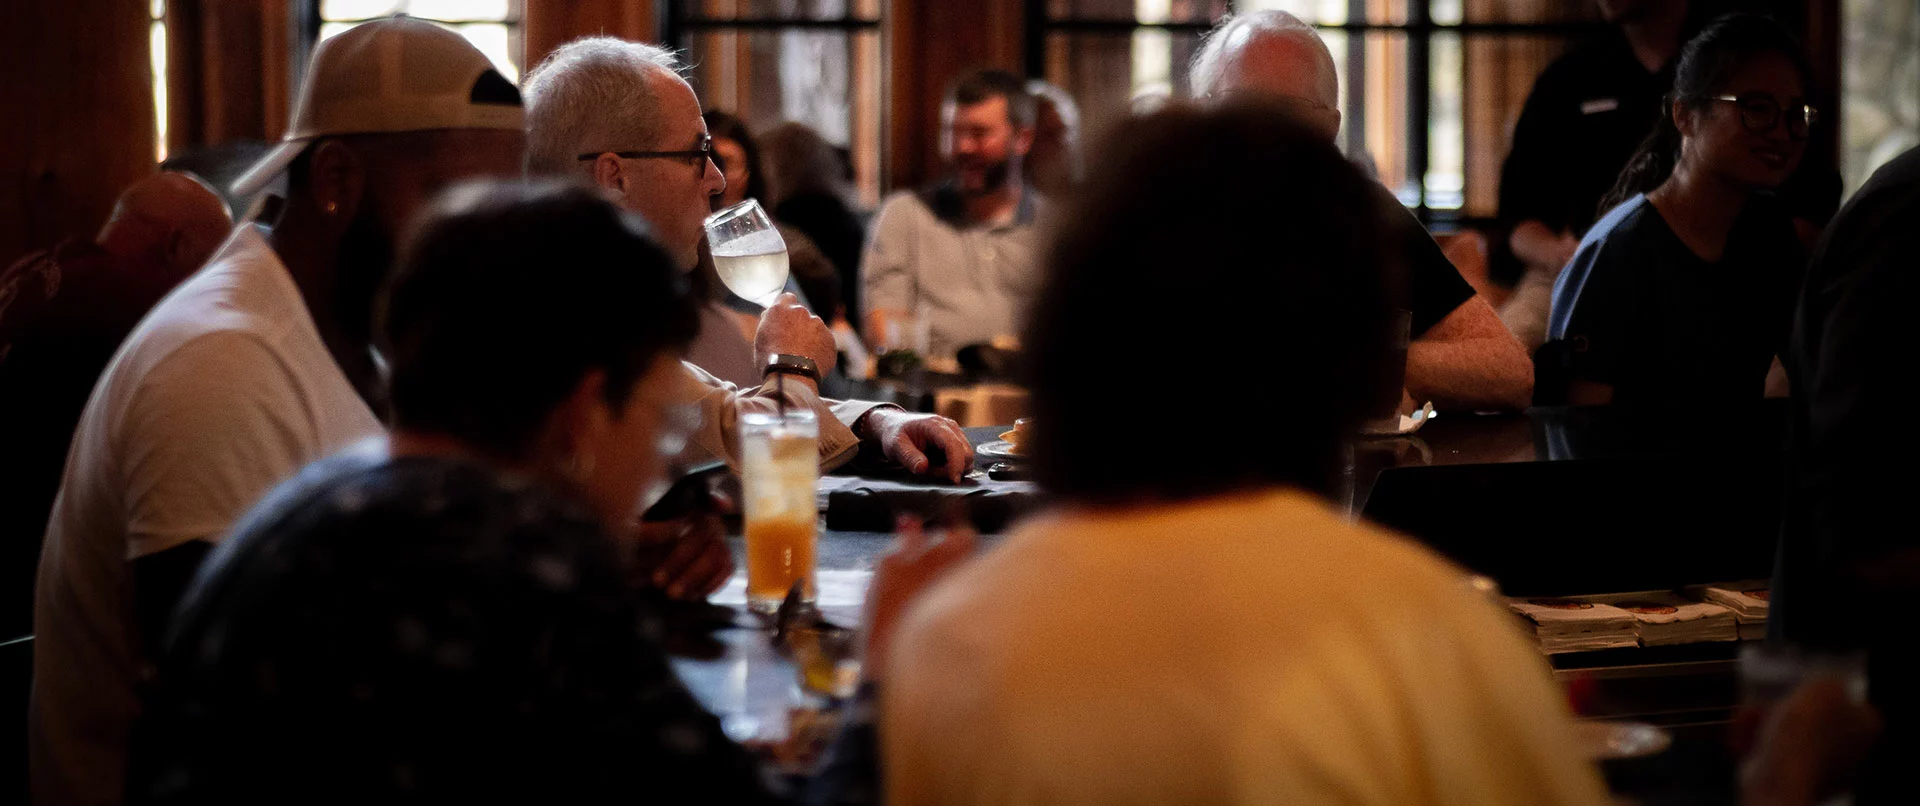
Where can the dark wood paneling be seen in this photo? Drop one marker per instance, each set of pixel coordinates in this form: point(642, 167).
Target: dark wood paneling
point(79, 122)
point(552, 23)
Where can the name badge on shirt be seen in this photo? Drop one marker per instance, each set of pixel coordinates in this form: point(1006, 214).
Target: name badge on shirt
point(1598, 105)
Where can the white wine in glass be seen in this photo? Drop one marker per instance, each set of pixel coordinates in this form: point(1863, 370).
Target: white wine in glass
point(748, 252)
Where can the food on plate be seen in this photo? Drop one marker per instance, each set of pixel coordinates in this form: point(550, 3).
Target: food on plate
point(1018, 436)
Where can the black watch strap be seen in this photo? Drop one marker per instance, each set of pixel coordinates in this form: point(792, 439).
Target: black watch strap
point(792, 365)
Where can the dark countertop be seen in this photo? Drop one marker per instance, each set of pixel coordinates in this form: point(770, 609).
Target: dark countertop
point(1555, 501)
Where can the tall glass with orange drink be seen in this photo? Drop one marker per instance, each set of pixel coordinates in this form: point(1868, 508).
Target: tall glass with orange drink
point(779, 465)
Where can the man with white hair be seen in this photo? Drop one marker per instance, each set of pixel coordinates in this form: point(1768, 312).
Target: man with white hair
point(1460, 355)
point(618, 114)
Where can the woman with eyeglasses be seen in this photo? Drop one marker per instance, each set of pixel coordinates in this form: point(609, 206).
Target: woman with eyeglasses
point(1682, 293)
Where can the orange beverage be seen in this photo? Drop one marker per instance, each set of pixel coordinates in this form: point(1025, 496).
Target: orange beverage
point(779, 553)
point(779, 464)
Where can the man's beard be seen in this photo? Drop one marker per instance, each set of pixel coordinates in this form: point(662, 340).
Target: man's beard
point(365, 259)
point(993, 177)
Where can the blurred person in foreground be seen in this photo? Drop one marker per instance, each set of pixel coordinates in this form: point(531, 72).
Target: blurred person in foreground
point(1460, 356)
point(445, 618)
point(957, 261)
point(258, 364)
point(1053, 164)
point(618, 115)
point(1846, 569)
point(1197, 622)
point(1682, 294)
point(63, 312)
point(809, 187)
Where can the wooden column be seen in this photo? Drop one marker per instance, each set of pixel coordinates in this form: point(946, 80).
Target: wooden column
point(930, 44)
point(79, 127)
point(548, 24)
point(230, 67)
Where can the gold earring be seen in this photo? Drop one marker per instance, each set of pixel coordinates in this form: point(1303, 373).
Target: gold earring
point(332, 208)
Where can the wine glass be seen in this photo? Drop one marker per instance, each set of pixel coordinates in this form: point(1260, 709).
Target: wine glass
point(748, 252)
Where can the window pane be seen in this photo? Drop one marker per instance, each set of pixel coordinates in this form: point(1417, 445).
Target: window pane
point(828, 80)
point(1323, 12)
point(329, 30)
point(1446, 132)
point(499, 41)
point(357, 9)
point(1880, 86)
point(1519, 11)
point(1107, 73)
point(495, 40)
point(157, 50)
point(1378, 72)
point(459, 9)
point(1497, 76)
point(780, 10)
point(1148, 11)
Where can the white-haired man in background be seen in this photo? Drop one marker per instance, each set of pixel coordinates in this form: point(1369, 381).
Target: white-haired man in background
point(618, 114)
point(1460, 355)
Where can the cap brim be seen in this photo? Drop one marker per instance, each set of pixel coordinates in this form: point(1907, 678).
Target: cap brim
point(267, 169)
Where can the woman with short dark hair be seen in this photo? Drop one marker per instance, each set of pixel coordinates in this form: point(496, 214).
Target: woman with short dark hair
point(1197, 622)
point(448, 619)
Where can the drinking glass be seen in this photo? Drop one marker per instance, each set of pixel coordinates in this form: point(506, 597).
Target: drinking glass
point(779, 463)
point(748, 252)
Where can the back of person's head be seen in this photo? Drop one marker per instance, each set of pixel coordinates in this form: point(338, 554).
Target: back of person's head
point(1054, 161)
point(508, 294)
point(1047, 95)
point(170, 219)
point(1707, 63)
point(984, 84)
point(1169, 280)
point(1215, 68)
point(726, 126)
point(591, 95)
point(799, 161)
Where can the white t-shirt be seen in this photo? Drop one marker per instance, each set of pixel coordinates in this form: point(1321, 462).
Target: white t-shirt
point(1256, 649)
point(223, 391)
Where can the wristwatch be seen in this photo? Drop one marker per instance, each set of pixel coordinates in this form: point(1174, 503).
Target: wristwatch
point(792, 365)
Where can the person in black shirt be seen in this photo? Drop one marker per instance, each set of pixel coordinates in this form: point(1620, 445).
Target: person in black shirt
point(1459, 355)
point(1845, 573)
point(446, 618)
point(1587, 114)
point(1682, 294)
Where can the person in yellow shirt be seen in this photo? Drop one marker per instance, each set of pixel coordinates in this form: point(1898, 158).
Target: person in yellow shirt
point(1197, 623)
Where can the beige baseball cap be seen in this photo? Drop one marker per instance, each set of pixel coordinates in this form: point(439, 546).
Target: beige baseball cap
point(392, 75)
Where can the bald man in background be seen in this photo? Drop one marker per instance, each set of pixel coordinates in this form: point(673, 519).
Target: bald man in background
point(63, 312)
point(1460, 356)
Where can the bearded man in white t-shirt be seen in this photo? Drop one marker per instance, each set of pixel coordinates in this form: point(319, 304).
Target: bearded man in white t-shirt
point(255, 366)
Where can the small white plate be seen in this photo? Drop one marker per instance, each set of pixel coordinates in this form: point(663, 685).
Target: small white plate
point(1608, 741)
point(999, 449)
point(1400, 425)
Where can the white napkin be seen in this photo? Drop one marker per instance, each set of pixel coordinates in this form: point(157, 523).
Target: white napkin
point(1665, 619)
point(1748, 600)
point(1577, 625)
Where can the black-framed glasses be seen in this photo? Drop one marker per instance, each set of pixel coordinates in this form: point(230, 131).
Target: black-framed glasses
point(1760, 113)
point(702, 152)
